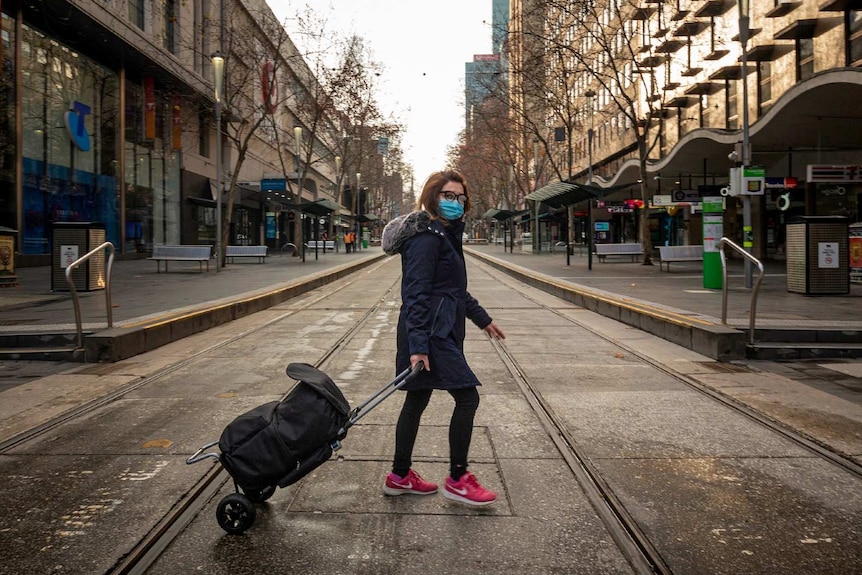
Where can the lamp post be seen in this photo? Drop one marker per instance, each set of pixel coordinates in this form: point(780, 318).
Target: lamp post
point(747, 235)
point(590, 95)
point(218, 82)
point(356, 204)
point(297, 134)
point(332, 230)
point(536, 243)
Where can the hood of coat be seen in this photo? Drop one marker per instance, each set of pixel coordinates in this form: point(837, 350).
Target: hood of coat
point(402, 229)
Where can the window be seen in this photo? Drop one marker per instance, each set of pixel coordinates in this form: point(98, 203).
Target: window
point(731, 103)
point(804, 58)
point(136, 13)
point(203, 136)
point(854, 37)
point(172, 25)
point(764, 87)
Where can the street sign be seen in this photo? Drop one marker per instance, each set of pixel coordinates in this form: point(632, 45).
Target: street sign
point(273, 185)
point(685, 196)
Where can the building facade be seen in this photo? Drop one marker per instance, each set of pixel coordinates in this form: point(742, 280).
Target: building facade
point(107, 117)
point(663, 106)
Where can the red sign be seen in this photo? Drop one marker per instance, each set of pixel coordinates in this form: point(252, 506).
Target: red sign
point(269, 86)
point(149, 108)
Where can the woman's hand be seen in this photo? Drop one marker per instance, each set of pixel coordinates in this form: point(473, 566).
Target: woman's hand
point(493, 331)
point(420, 358)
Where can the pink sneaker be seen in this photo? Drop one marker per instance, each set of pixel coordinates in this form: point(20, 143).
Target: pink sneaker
point(467, 490)
point(411, 484)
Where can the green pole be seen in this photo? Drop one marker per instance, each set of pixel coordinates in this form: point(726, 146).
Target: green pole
point(713, 230)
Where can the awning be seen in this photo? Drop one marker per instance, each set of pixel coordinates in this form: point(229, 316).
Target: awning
point(561, 194)
point(319, 208)
point(502, 215)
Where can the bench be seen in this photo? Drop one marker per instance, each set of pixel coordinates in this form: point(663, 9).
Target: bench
point(322, 244)
point(200, 254)
point(478, 241)
point(258, 252)
point(631, 249)
point(669, 254)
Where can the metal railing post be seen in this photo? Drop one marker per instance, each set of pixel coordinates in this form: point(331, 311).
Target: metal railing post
point(77, 305)
point(753, 306)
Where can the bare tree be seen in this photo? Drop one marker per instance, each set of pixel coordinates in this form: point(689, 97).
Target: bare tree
point(598, 64)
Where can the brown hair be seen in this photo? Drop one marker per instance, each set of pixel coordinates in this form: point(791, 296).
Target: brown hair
point(430, 196)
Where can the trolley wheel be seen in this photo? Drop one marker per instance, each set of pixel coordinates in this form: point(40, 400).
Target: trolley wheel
point(259, 495)
point(235, 513)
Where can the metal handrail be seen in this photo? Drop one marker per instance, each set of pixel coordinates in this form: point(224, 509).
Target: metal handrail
point(108, 268)
point(721, 243)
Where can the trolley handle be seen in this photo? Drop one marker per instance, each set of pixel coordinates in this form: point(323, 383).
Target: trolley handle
point(199, 455)
point(384, 392)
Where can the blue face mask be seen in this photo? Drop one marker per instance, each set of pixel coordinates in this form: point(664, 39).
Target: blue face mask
point(450, 209)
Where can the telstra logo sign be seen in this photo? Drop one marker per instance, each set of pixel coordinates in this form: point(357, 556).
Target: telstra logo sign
point(75, 125)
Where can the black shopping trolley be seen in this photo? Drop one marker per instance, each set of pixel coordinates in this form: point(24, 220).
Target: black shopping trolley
point(278, 443)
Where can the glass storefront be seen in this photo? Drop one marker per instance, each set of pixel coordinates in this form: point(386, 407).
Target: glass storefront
point(70, 118)
point(8, 152)
point(71, 125)
point(152, 176)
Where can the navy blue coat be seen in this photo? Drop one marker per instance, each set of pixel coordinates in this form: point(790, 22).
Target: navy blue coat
point(435, 306)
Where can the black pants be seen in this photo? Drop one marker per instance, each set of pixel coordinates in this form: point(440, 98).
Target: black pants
point(460, 429)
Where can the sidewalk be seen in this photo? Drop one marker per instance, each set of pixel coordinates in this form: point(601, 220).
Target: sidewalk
point(682, 289)
point(139, 292)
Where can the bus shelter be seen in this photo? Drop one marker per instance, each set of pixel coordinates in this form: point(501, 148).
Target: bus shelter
point(318, 210)
point(506, 221)
point(566, 195)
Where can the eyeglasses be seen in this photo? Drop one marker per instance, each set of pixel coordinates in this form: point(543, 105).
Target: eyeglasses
point(451, 196)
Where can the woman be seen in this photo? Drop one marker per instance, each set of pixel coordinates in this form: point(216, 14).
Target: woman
point(431, 331)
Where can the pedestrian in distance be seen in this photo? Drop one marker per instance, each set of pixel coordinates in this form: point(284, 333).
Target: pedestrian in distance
point(431, 331)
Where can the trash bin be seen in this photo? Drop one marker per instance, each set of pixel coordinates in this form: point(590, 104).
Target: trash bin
point(8, 277)
point(855, 248)
point(817, 255)
point(70, 241)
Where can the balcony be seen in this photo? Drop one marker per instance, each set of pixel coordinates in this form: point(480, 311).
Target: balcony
point(841, 5)
point(783, 7)
point(797, 30)
point(680, 102)
point(690, 29)
point(729, 73)
point(651, 61)
point(670, 46)
point(712, 8)
point(702, 88)
point(716, 55)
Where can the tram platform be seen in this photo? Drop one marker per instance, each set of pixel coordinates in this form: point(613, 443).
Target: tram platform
point(168, 306)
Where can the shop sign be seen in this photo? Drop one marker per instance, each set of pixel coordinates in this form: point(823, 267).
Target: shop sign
point(840, 173)
point(781, 183)
point(74, 120)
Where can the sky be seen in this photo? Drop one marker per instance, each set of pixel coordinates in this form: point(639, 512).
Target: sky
point(422, 47)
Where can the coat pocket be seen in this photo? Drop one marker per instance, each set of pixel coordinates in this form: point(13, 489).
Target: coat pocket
point(444, 318)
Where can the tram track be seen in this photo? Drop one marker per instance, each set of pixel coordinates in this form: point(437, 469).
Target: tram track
point(632, 540)
point(139, 560)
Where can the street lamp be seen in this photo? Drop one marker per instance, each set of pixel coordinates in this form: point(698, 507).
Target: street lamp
point(218, 81)
point(590, 95)
point(536, 243)
point(747, 235)
point(297, 134)
point(355, 210)
point(332, 230)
